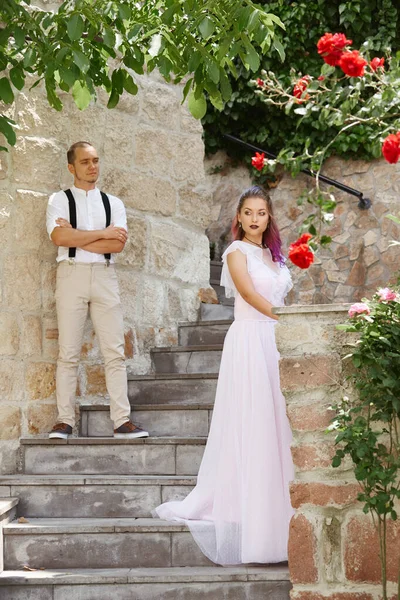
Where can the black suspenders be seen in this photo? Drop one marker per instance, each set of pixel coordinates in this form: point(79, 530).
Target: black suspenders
point(72, 218)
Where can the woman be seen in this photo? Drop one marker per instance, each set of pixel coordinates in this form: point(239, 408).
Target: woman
point(240, 509)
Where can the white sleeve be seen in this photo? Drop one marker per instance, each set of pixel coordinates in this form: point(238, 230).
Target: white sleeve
point(57, 208)
point(118, 213)
point(226, 279)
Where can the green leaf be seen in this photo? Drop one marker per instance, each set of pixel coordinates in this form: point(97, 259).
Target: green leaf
point(212, 70)
point(336, 461)
point(206, 28)
point(67, 76)
point(6, 93)
point(109, 37)
point(117, 80)
point(75, 27)
point(125, 12)
point(17, 77)
point(252, 58)
point(168, 15)
point(129, 84)
point(217, 101)
point(187, 87)
point(133, 64)
point(113, 99)
point(19, 36)
point(194, 61)
point(279, 48)
point(7, 130)
point(81, 61)
point(226, 88)
point(244, 16)
point(197, 106)
point(29, 58)
point(81, 95)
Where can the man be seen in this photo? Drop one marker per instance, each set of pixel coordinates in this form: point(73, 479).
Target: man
point(86, 279)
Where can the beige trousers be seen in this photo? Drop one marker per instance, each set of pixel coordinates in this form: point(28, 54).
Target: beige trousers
point(93, 286)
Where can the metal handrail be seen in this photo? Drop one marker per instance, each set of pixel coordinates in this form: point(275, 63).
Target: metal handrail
point(363, 203)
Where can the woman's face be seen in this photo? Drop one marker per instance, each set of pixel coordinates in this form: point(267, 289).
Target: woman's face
point(254, 216)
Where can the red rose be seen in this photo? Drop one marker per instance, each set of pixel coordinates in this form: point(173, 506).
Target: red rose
point(258, 161)
point(301, 87)
point(303, 239)
point(352, 64)
point(260, 82)
point(377, 63)
point(391, 148)
point(301, 255)
point(321, 78)
point(331, 47)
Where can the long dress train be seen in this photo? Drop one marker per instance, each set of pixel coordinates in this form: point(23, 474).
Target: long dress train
point(239, 511)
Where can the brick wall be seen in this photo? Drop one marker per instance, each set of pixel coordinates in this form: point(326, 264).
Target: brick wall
point(333, 546)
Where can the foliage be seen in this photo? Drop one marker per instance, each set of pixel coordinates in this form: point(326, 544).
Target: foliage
point(247, 117)
point(105, 43)
point(369, 427)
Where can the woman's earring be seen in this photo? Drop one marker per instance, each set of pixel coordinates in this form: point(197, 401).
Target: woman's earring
point(240, 225)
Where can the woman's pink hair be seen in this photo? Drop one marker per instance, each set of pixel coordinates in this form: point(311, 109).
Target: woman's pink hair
point(271, 237)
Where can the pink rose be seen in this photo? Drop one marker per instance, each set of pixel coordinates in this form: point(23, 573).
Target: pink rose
point(386, 295)
point(359, 308)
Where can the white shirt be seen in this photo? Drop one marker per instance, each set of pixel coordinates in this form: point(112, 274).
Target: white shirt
point(90, 216)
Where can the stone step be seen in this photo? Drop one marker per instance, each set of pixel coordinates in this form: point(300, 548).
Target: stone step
point(220, 291)
point(215, 312)
point(189, 420)
point(172, 389)
point(96, 456)
point(204, 332)
point(178, 583)
point(215, 270)
point(187, 359)
point(8, 512)
point(100, 543)
point(97, 496)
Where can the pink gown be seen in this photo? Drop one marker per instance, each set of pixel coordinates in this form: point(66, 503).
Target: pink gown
point(240, 509)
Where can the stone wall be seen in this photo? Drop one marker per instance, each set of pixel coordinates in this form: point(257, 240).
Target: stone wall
point(152, 158)
point(359, 259)
point(333, 546)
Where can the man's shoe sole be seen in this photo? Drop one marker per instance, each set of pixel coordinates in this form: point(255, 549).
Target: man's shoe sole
point(142, 434)
point(60, 436)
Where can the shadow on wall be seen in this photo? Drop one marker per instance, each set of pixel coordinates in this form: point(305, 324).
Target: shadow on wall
point(360, 258)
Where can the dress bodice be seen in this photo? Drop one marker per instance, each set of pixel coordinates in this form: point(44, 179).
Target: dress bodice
point(270, 279)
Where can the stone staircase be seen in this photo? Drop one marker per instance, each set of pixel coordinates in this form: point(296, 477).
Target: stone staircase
point(86, 531)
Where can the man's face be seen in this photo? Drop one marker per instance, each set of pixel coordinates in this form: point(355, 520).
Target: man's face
point(86, 165)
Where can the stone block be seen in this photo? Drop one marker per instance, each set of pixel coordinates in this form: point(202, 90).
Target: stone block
point(11, 380)
point(129, 104)
point(95, 380)
point(134, 253)
point(323, 494)
point(161, 105)
point(87, 501)
point(202, 334)
point(310, 417)
point(40, 380)
point(31, 336)
point(41, 417)
point(188, 158)
point(171, 493)
point(120, 459)
point(302, 551)
point(154, 151)
point(141, 192)
point(188, 459)
point(10, 422)
point(22, 282)
point(88, 125)
point(48, 272)
point(310, 372)
point(9, 334)
point(172, 391)
point(178, 253)
point(8, 456)
point(187, 362)
point(196, 204)
point(37, 163)
point(130, 285)
point(186, 553)
point(153, 302)
point(6, 214)
point(88, 551)
point(313, 595)
point(30, 232)
point(119, 140)
point(361, 550)
point(23, 592)
point(310, 456)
